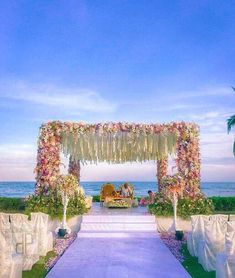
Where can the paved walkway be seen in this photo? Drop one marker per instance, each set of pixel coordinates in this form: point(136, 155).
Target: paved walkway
point(118, 246)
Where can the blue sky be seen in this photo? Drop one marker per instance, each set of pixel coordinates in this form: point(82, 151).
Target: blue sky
point(138, 61)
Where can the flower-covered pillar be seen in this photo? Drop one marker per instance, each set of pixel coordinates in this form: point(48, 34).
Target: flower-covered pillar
point(162, 165)
point(48, 157)
point(188, 158)
point(74, 168)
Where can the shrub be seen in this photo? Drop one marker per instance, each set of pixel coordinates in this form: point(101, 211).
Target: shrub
point(186, 206)
point(12, 204)
point(162, 206)
point(96, 198)
point(223, 203)
point(52, 205)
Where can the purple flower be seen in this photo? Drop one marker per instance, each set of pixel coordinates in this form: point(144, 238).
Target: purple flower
point(174, 245)
point(61, 244)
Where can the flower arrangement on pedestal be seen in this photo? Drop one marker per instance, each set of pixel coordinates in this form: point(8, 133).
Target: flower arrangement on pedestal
point(174, 188)
point(67, 186)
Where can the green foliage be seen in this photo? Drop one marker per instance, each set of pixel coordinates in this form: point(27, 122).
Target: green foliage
point(12, 204)
point(193, 267)
point(38, 270)
point(186, 206)
point(223, 203)
point(52, 205)
point(161, 207)
point(230, 125)
point(230, 122)
point(96, 198)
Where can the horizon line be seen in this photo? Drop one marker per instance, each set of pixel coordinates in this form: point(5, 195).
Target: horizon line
point(122, 181)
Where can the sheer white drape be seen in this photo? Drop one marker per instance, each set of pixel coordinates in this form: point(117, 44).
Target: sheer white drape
point(225, 261)
point(22, 242)
point(196, 234)
point(213, 243)
point(42, 235)
point(24, 239)
point(10, 262)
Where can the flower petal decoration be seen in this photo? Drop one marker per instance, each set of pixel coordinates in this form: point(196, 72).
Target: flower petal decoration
point(118, 143)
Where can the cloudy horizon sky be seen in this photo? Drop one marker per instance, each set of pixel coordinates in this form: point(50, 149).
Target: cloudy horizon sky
point(121, 60)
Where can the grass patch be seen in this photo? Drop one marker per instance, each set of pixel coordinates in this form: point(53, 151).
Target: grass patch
point(193, 267)
point(38, 270)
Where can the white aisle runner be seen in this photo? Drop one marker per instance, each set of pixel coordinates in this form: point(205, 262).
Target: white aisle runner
point(118, 246)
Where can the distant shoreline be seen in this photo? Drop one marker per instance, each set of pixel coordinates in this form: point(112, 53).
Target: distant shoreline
point(23, 189)
point(124, 181)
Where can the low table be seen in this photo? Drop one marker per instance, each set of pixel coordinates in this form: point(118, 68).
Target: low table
point(128, 202)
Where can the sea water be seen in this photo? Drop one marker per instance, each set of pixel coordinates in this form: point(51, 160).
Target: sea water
point(23, 189)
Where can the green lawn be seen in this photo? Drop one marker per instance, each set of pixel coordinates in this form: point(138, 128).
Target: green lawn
point(38, 270)
point(193, 267)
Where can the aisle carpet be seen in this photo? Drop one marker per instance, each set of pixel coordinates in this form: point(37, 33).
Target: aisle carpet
point(118, 246)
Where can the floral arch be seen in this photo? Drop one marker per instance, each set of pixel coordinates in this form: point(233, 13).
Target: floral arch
point(118, 143)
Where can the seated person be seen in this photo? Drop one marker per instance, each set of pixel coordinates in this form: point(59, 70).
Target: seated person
point(126, 191)
point(143, 202)
point(149, 200)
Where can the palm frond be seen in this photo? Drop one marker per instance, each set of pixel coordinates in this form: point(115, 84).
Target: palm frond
point(234, 148)
point(233, 88)
point(230, 123)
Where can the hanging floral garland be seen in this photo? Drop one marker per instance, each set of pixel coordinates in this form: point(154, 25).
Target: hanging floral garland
point(117, 146)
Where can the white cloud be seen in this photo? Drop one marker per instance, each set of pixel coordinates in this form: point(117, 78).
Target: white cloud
point(206, 91)
point(217, 159)
point(119, 172)
point(69, 98)
point(163, 107)
point(221, 172)
point(205, 116)
point(17, 162)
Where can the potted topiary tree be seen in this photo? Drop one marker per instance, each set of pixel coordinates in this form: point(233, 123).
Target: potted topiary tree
point(66, 187)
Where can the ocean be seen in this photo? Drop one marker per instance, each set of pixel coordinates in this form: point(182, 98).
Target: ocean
point(23, 189)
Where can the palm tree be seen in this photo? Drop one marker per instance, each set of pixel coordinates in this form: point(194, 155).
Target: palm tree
point(230, 125)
